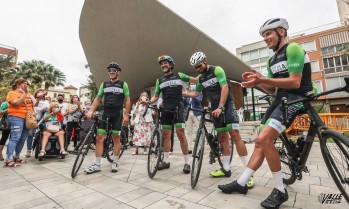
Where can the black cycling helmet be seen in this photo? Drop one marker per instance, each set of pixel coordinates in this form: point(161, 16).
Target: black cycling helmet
point(114, 65)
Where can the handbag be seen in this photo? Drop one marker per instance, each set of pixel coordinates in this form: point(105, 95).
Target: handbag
point(4, 125)
point(52, 127)
point(30, 119)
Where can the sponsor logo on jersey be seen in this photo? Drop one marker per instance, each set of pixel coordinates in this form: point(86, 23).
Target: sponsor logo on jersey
point(171, 83)
point(113, 90)
point(210, 82)
point(278, 67)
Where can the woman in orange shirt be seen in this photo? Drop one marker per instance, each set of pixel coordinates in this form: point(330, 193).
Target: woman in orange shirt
point(19, 101)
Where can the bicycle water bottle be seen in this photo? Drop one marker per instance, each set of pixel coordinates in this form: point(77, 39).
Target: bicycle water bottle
point(300, 144)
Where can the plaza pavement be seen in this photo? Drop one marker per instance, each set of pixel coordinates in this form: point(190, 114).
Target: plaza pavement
point(48, 184)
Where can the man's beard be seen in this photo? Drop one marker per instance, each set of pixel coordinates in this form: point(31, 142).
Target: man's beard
point(204, 70)
point(166, 70)
point(113, 78)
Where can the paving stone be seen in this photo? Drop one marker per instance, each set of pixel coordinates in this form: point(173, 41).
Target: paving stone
point(316, 190)
point(176, 203)
point(309, 201)
point(320, 174)
point(133, 195)
point(147, 200)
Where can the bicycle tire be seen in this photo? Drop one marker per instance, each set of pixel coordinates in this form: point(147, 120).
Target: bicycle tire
point(340, 174)
point(220, 153)
point(154, 153)
point(288, 171)
point(198, 153)
point(109, 148)
point(83, 150)
point(123, 141)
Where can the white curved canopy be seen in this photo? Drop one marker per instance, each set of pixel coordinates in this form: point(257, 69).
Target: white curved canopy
point(135, 33)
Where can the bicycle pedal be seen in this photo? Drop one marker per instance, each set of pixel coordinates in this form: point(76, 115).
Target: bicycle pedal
point(305, 170)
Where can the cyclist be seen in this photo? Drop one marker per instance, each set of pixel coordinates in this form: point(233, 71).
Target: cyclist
point(170, 85)
point(213, 79)
point(289, 74)
point(116, 97)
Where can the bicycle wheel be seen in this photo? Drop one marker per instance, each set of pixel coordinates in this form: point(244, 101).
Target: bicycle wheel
point(198, 153)
point(82, 153)
point(109, 148)
point(123, 141)
point(220, 151)
point(288, 171)
point(154, 153)
point(335, 151)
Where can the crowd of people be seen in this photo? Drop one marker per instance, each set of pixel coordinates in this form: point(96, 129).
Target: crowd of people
point(288, 76)
point(22, 108)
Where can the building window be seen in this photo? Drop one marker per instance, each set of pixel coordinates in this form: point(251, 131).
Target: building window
point(309, 46)
point(315, 66)
point(245, 56)
point(336, 64)
point(332, 83)
point(54, 95)
point(318, 85)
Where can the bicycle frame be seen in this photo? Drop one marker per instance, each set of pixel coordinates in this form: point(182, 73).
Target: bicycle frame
point(316, 128)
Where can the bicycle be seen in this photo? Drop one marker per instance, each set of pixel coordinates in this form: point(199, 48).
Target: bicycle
point(155, 152)
point(294, 155)
point(216, 149)
point(108, 145)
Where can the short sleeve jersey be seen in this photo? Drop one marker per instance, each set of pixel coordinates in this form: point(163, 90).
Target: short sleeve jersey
point(291, 58)
point(19, 110)
point(212, 81)
point(171, 87)
point(114, 94)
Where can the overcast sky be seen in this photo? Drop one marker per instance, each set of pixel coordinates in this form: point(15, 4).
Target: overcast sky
point(49, 29)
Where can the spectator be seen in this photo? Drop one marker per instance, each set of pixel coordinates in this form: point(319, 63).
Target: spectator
point(64, 109)
point(48, 99)
point(5, 133)
point(143, 125)
point(20, 101)
point(74, 113)
point(194, 117)
point(40, 108)
point(50, 119)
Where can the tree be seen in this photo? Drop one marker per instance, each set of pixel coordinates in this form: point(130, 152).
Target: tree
point(92, 87)
point(6, 75)
point(38, 72)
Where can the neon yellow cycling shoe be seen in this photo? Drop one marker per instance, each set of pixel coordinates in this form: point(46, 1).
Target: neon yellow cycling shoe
point(250, 182)
point(220, 173)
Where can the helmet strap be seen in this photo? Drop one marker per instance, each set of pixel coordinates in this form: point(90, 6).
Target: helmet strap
point(279, 40)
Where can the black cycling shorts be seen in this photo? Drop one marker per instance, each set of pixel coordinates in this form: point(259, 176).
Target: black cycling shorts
point(115, 119)
point(231, 118)
point(169, 118)
point(274, 115)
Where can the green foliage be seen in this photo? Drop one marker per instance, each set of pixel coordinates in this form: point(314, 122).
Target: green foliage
point(38, 72)
point(6, 75)
point(92, 87)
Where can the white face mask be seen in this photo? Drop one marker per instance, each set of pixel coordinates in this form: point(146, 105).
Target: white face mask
point(192, 87)
point(143, 98)
point(56, 110)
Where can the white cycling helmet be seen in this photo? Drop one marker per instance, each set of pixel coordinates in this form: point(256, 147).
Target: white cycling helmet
point(272, 24)
point(197, 58)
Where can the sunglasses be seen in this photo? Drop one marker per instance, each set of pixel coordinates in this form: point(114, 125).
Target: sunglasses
point(198, 66)
point(112, 70)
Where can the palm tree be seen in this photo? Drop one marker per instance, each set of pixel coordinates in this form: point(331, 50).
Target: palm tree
point(37, 72)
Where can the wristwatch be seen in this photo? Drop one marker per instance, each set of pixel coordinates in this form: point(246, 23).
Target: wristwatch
point(221, 107)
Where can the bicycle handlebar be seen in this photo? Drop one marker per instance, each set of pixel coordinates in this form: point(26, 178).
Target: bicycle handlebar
point(204, 112)
point(286, 104)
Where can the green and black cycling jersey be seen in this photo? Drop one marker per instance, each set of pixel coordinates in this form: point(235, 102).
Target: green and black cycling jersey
point(291, 58)
point(171, 87)
point(212, 81)
point(114, 94)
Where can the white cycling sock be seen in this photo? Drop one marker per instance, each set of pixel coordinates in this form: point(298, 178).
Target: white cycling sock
point(226, 162)
point(166, 157)
point(245, 176)
point(244, 160)
point(98, 161)
point(186, 159)
point(116, 159)
point(279, 185)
